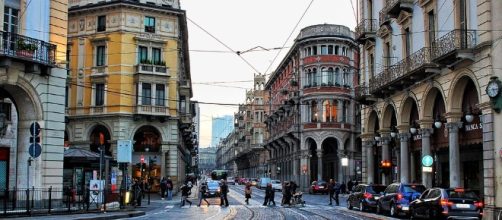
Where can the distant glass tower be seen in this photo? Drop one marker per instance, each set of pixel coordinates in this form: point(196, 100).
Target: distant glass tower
point(222, 126)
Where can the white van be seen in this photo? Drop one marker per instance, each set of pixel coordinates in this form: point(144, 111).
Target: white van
point(263, 182)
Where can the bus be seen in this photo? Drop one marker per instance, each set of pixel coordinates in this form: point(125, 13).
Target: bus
point(219, 175)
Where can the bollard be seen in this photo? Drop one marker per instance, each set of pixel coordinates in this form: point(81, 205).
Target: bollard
point(28, 201)
point(5, 198)
point(50, 199)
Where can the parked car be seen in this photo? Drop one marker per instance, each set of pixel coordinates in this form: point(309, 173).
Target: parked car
point(243, 181)
point(213, 188)
point(440, 203)
point(365, 196)
point(262, 183)
point(254, 181)
point(397, 198)
point(276, 185)
point(230, 181)
point(319, 187)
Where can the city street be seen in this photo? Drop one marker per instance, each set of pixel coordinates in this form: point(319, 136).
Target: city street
point(316, 208)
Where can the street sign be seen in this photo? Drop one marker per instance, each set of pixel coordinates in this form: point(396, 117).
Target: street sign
point(124, 151)
point(427, 169)
point(34, 129)
point(427, 161)
point(35, 150)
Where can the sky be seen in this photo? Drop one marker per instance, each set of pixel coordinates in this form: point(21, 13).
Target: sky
point(242, 25)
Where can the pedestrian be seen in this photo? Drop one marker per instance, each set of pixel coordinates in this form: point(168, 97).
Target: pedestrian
point(331, 190)
point(337, 189)
point(293, 187)
point(287, 194)
point(270, 194)
point(163, 187)
point(349, 185)
point(137, 191)
point(224, 191)
point(343, 189)
point(185, 190)
point(283, 192)
point(248, 192)
point(203, 194)
point(169, 187)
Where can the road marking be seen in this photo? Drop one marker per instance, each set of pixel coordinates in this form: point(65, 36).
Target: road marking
point(302, 215)
point(169, 207)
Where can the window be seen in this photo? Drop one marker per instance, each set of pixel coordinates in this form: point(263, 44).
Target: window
point(314, 111)
point(182, 104)
point(324, 49)
point(324, 76)
point(432, 28)
point(370, 9)
point(314, 50)
point(314, 77)
point(149, 24)
point(160, 95)
point(337, 77)
point(146, 94)
point(331, 76)
point(371, 65)
point(387, 54)
point(337, 50)
point(101, 23)
point(100, 55)
point(407, 42)
point(330, 49)
point(143, 54)
point(156, 56)
point(66, 98)
point(99, 94)
point(10, 19)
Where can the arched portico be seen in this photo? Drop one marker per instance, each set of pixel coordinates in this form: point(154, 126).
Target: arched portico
point(314, 158)
point(330, 159)
point(147, 143)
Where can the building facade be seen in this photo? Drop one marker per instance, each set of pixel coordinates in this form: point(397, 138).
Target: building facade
point(221, 127)
point(425, 67)
point(32, 79)
point(130, 80)
point(311, 117)
point(225, 153)
point(207, 160)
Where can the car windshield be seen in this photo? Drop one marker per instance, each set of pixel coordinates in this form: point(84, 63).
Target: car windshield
point(414, 188)
point(375, 189)
point(212, 184)
point(462, 194)
point(276, 181)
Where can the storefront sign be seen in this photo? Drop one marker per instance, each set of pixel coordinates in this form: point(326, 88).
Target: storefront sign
point(472, 127)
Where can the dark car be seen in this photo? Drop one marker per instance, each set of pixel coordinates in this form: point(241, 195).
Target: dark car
point(397, 197)
point(213, 188)
point(439, 203)
point(365, 196)
point(319, 187)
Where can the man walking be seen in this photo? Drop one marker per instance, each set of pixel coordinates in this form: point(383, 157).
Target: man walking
point(224, 191)
point(185, 190)
point(331, 190)
point(269, 194)
point(169, 187)
point(203, 194)
point(337, 189)
point(163, 187)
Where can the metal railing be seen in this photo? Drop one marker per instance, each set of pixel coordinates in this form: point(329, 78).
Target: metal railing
point(27, 48)
point(39, 201)
point(383, 18)
point(151, 109)
point(152, 69)
point(390, 4)
point(454, 40)
point(366, 26)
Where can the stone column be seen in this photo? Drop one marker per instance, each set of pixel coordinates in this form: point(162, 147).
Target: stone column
point(453, 127)
point(370, 162)
point(404, 161)
point(385, 140)
point(319, 164)
point(426, 150)
point(305, 176)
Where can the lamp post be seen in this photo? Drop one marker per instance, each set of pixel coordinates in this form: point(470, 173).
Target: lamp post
point(147, 149)
point(345, 163)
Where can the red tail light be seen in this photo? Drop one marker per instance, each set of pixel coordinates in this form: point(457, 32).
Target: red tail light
point(399, 196)
point(368, 195)
point(445, 202)
point(479, 204)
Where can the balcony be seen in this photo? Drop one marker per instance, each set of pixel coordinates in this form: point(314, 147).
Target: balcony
point(366, 30)
point(152, 69)
point(326, 59)
point(383, 18)
point(363, 96)
point(454, 47)
point(186, 118)
point(151, 110)
point(394, 7)
point(28, 50)
point(404, 73)
point(97, 110)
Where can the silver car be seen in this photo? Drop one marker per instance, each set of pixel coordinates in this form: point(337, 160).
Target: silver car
point(276, 185)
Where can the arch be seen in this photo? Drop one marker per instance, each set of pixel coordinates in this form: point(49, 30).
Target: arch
point(429, 100)
point(389, 114)
point(147, 138)
point(91, 128)
point(139, 126)
point(458, 87)
point(372, 122)
point(406, 110)
point(98, 137)
point(25, 98)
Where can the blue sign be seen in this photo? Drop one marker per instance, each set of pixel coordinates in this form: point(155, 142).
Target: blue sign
point(427, 161)
point(124, 151)
point(35, 150)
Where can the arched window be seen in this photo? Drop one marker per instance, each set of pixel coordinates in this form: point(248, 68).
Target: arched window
point(324, 76)
point(337, 77)
point(330, 49)
point(326, 113)
point(314, 111)
point(347, 80)
point(309, 51)
point(309, 77)
point(333, 111)
point(331, 77)
point(337, 48)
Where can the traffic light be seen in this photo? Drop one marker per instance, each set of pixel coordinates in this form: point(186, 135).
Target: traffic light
point(385, 164)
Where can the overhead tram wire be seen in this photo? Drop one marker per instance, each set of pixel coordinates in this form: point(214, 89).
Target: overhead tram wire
point(225, 45)
point(290, 34)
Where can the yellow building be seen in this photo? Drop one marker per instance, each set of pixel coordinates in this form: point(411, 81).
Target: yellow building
point(32, 77)
point(130, 80)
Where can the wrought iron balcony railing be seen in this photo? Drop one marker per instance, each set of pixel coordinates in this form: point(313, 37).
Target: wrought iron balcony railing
point(416, 62)
point(366, 26)
point(453, 42)
point(153, 69)
point(383, 18)
point(393, 7)
point(27, 49)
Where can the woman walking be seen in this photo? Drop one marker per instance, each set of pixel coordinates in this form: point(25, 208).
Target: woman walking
point(248, 192)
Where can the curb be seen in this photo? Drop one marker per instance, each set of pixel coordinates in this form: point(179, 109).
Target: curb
point(114, 216)
point(365, 214)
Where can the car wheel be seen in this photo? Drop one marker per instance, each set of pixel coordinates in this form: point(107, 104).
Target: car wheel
point(393, 210)
point(349, 205)
point(361, 207)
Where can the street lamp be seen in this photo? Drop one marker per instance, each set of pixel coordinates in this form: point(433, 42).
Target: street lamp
point(345, 163)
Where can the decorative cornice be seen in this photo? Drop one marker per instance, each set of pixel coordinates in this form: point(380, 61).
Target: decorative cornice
point(384, 31)
point(404, 18)
point(454, 126)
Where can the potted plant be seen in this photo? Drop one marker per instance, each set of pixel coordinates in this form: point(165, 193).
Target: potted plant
point(25, 49)
point(146, 62)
